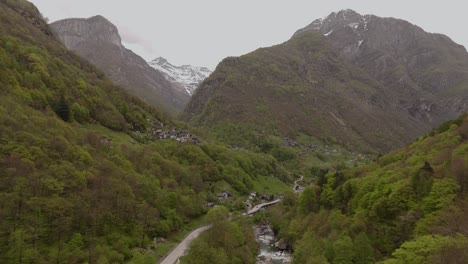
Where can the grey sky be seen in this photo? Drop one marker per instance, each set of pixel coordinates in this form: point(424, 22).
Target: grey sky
point(203, 32)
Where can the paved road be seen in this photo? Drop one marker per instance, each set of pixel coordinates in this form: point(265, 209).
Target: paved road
point(181, 249)
point(258, 207)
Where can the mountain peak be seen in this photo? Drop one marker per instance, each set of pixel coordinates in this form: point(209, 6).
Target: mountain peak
point(348, 12)
point(186, 75)
point(74, 31)
point(342, 18)
point(159, 61)
point(98, 18)
point(101, 21)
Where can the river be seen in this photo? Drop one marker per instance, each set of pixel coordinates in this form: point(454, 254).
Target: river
point(269, 253)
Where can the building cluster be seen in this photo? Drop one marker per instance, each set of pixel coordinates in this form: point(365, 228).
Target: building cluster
point(161, 132)
point(292, 143)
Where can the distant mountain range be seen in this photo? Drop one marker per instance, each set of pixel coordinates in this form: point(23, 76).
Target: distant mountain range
point(362, 81)
point(97, 40)
point(186, 75)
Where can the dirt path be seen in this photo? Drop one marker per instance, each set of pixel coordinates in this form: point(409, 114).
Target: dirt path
point(297, 188)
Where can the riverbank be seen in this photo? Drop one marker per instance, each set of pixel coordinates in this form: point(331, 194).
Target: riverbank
point(269, 253)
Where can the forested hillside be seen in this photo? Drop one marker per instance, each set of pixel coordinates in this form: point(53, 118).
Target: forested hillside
point(81, 180)
point(409, 206)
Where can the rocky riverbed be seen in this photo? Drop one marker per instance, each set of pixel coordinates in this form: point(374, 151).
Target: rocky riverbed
point(271, 250)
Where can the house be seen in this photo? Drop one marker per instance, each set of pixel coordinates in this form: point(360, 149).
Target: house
point(266, 197)
point(106, 141)
point(224, 194)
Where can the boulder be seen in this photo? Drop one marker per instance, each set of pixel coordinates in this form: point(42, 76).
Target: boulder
point(281, 244)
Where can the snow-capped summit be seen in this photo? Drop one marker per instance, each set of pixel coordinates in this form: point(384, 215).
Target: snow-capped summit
point(188, 76)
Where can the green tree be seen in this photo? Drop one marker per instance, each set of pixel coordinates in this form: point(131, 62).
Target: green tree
point(363, 251)
point(422, 182)
point(421, 249)
point(309, 200)
point(80, 113)
point(62, 109)
point(343, 249)
point(201, 253)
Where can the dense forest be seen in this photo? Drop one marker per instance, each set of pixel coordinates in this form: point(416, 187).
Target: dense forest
point(409, 206)
point(81, 180)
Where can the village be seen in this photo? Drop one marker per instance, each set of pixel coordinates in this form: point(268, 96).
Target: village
point(160, 131)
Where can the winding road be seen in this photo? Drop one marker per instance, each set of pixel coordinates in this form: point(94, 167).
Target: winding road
point(258, 207)
point(181, 249)
point(297, 188)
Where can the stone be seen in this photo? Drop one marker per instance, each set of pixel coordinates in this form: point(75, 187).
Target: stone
point(282, 244)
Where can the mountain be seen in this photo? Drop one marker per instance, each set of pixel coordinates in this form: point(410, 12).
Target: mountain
point(97, 40)
point(427, 73)
point(85, 175)
point(186, 75)
point(319, 83)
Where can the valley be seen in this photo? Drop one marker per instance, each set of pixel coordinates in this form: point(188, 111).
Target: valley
point(346, 143)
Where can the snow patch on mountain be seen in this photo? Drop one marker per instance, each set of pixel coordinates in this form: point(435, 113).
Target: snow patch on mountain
point(353, 25)
point(188, 76)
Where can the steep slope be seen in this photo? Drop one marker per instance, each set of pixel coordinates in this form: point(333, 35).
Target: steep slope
point(98, 41)
point(82, 178)
point(409, 206)
point(427, 73)
point(186, 75)
point(302, 86)
point(320, 83)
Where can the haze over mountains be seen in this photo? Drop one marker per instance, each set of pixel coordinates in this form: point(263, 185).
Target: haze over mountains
point(97, 40)
point(362, 81)
point(186, 75)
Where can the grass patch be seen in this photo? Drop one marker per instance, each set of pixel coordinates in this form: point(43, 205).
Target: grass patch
point(269, 185)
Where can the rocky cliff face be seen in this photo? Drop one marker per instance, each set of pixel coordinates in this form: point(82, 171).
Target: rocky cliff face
point(186, 75)
point(426, 73)
point(97, 40)
point(73, 32)
point(360, 80)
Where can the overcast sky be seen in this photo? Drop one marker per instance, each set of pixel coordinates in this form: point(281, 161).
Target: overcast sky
point(203, 32)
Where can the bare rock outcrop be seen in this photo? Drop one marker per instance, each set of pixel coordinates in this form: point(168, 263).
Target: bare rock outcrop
point(97, 40)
